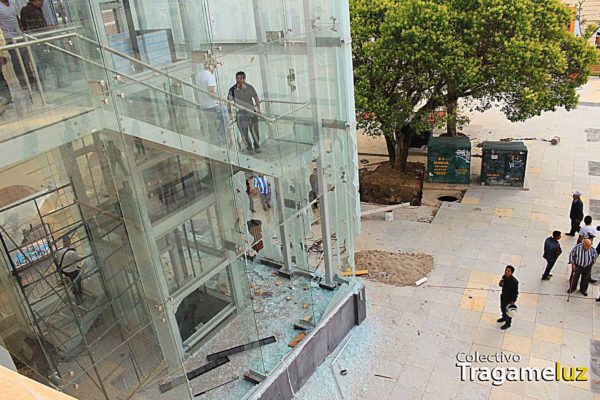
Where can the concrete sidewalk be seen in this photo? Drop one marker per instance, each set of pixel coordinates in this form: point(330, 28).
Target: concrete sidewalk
point(407, 347)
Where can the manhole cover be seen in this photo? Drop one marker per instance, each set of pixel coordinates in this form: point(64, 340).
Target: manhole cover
point(593, 134)
point(449, 199)
point(594, 168)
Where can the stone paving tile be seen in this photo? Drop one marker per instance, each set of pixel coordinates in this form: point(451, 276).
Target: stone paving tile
point(471, 243)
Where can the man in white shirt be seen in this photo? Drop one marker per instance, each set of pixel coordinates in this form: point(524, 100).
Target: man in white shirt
point(588, 231)
point(68, 262)
point(209, 102)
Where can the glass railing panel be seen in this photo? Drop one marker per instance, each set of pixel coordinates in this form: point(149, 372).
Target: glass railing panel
point(57, 88)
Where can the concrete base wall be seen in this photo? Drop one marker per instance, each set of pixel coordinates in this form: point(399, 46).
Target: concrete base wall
point(298, 367)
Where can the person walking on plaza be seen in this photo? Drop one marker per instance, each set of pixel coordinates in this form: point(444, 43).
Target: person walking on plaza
point(244, 95)
point(581, 258)
point(264, 190)
point(576, 213)
point(510, 292)
point(552, 251)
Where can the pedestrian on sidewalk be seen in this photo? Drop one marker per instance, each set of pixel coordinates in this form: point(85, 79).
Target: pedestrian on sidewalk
point(576, 213)
point(552, 251)
point(510, 292)
point(581, 258)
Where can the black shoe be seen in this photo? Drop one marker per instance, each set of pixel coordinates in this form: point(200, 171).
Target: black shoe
point(570, 234)
point(584, 293)
point(500, 319)
point(598, 299)
point(545, 278)
point(593, 280)
point(505, 326)
point(550, 275)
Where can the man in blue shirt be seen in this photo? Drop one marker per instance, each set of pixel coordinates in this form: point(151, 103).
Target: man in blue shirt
point(264, 191)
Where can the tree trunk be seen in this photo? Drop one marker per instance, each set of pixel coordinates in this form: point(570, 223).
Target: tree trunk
point(451, 110)
point(390, 147)
point(401, 147)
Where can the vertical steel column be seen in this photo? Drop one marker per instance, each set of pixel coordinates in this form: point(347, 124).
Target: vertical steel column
point(311, 43)
point(283, 230)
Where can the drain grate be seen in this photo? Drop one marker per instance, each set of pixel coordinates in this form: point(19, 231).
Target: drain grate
point(594, 168)
point(593, 134)
point(595, 208)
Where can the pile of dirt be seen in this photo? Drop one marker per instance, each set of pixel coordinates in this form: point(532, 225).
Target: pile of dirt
point(387, 186)
point(398, 269)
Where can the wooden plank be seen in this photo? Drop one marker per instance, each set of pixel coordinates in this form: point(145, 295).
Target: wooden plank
point(383, 209)
point(297, 339)
point(359, 272)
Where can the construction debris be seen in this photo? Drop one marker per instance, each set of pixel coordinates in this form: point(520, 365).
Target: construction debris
point(360, 272)
point(254, 377)
point(297, 339)
point(241, 348)
point(421, 281)
point(302, 325)
point(165, 387)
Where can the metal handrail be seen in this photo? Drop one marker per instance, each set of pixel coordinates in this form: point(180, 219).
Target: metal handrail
point(167, 75)
point(36, 41)
point(45, 41)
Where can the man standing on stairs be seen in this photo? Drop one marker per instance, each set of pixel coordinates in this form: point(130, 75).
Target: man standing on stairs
point(245, 97)
point(264, 190)
point(211, 109)
point(5, 96)
point(9, 24)
point(576, 213)
point(68, 261)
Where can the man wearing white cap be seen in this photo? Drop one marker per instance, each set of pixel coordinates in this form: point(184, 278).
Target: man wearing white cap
point(576, 214)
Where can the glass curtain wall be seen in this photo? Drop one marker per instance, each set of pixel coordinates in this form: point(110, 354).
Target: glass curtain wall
point(189, 244)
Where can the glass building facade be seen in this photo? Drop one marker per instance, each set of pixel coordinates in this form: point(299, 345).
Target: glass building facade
point(122, 130)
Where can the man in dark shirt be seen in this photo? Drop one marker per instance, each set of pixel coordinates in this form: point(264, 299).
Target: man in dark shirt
point(245, 97)
point(32, 17)
point(551, 252)
point(510, 292)
point(576, 213)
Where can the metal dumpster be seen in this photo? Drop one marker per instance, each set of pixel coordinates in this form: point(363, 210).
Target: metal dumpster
point(449, 160)
point(504, 164)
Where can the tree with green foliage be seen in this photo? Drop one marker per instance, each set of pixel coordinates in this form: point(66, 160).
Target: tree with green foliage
point(413, 56)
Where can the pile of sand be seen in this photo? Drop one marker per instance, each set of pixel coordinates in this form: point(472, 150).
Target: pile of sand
point(399, 269)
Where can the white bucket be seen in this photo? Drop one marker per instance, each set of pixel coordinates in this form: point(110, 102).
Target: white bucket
point(389, 216)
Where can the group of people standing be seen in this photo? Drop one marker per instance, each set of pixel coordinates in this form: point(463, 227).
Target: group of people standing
point(582, 258)
point(583, 255)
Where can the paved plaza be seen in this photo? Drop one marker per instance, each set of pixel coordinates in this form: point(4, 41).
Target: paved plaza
point(407, 347)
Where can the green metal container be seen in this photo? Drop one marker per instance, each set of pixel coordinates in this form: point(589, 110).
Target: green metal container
point(504, 164)
point(449, 160)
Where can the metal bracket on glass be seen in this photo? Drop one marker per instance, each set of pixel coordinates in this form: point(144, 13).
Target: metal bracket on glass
point(275, 36)
point(334, 124)
point(334, 41)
